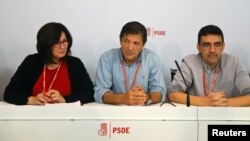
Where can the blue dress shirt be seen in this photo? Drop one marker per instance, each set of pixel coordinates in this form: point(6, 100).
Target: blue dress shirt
point(110, 76)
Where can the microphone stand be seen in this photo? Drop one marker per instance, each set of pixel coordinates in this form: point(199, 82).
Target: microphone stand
point(188, 97)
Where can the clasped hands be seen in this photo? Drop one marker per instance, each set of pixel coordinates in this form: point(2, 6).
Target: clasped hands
point(51, 96)
point(137, 96)
point(217, 99)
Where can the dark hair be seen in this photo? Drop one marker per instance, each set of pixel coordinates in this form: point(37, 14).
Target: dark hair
point(47, 36)
point(210, 29)
point(134, 27)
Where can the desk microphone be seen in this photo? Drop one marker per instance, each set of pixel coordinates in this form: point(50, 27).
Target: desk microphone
point(188, 97)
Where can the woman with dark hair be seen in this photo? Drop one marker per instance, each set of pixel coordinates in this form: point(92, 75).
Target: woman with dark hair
point(52, 75)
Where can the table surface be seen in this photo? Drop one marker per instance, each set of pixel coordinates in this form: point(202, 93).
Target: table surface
point(107, 111)
point(98, 111)
point(146, 123)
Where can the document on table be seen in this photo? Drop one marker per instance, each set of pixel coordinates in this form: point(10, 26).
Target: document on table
point(77, 103)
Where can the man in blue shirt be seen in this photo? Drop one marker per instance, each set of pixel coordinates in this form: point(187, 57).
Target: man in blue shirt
point(131, 74)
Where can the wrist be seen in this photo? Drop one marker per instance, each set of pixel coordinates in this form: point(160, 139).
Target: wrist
point(149, 101)
point(29, 99)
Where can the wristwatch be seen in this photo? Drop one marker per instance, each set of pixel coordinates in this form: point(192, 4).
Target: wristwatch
point(148, 102)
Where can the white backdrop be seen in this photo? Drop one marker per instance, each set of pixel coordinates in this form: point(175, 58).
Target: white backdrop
point(95, 26)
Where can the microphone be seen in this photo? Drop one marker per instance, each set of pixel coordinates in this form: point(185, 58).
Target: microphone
point(188, 97)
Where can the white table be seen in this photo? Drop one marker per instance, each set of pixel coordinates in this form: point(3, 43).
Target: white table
point(98, 122)
point(105, 122)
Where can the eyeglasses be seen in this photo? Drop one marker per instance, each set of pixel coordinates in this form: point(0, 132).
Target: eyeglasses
point(64, 43)
point(209, 45)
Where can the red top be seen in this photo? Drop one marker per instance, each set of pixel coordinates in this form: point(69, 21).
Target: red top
point(61, 82)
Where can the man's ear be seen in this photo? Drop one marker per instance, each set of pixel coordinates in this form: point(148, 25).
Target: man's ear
point(198, 47)
point(223, 46)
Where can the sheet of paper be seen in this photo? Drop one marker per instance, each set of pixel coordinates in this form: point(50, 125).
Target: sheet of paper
point(77, 103)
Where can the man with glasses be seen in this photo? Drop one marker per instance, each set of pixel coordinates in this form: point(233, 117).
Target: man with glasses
point(131, 74)
point(213, 78)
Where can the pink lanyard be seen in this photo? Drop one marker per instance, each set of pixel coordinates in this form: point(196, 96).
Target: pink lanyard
point(125, 76)
point(44, 77)
point(214, 81)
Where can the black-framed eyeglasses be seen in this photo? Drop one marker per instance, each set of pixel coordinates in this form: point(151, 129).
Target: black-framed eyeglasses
point(209, 45)
point(64, 43)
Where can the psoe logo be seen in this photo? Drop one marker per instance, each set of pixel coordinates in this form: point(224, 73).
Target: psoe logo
point(108, 130)
point(103, 129)
point(153, 32)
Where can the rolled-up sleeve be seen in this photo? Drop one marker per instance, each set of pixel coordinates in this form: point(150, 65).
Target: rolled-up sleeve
point(103, 80)
point(156, 78)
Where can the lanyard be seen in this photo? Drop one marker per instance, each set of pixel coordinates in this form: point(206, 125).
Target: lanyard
point(44, 77)
point(214, 81)
point(125, 75)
